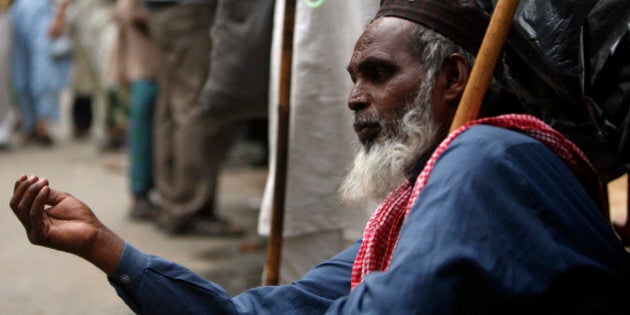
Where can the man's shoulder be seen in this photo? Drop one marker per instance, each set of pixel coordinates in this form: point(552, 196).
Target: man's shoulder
point(484, 142)
point(493, 136)
point(485, 153)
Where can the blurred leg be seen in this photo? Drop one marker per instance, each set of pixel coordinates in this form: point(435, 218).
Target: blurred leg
point(142, 99)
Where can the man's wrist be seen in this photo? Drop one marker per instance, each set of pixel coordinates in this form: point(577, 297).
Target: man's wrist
point(106, 251)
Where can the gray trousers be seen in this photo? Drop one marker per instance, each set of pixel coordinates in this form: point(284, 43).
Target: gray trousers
point(187, 147)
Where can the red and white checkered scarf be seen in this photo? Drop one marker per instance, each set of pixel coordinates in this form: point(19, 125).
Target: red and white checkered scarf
point(381, 232)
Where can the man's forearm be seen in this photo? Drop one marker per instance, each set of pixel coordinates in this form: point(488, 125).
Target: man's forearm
point(106, 252)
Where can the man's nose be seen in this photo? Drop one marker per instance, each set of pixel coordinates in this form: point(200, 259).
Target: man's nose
point(358, 98)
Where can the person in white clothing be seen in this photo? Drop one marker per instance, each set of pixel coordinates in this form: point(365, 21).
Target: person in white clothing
point(321, 140)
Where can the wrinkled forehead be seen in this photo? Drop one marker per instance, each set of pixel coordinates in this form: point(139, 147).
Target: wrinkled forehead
point(384, 37)
point(383, 27)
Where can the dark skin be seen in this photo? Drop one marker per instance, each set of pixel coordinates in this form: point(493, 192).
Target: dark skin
point(385, 73)
point(67, 224)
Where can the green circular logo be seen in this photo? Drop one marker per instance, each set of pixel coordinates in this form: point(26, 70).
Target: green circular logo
point(313, 4)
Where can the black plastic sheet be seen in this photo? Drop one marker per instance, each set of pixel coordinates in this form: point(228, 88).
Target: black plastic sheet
point(568, 63)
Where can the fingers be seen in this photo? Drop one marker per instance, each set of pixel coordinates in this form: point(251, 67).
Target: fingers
point(20, 188)
point(36, 215)
point(55, 197)
point(20, 179)
point(24, 196)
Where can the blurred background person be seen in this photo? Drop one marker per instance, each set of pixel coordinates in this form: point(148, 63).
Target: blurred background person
point(82, 112)
point(40, 64)
point(82, 87)
point(183, 177)
point(321, 140)
point(6, 111)
point(134, 64)
point(98, 103)
point(116, 117)
point(235, 96)
point(83, 77)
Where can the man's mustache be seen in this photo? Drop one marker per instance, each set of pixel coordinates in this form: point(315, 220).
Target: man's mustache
point(362, 121)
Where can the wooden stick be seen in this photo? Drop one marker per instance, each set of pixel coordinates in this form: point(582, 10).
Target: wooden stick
point(487, 57)
point(274, 244)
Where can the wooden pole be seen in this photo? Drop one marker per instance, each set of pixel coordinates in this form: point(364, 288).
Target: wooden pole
point(487, 57)
point(274, 244)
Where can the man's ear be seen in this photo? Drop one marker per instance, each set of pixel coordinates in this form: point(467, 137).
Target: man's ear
point(455, 71)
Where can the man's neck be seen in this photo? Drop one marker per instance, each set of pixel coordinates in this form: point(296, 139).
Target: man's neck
point(420, 163)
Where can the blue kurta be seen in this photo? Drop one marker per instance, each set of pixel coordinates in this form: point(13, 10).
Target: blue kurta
point(502, 226)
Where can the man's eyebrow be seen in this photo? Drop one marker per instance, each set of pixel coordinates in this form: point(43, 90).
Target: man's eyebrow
point(371, 61)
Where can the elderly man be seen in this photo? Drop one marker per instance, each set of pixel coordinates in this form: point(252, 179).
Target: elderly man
point(501, 217)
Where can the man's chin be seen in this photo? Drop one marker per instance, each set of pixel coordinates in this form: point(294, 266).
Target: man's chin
point(385, 160)
point(368, 145)
point(376, 171)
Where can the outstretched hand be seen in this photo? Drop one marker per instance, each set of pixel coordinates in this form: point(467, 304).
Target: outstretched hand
point(67, 224)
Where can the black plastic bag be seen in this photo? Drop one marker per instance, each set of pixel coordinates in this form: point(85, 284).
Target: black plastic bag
point(568, 63)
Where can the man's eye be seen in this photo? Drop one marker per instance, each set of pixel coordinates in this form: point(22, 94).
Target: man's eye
point(380, 74)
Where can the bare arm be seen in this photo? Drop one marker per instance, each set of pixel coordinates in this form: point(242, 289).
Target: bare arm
point(67, 224)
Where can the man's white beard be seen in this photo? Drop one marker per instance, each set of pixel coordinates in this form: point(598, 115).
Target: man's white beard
point(383, 166)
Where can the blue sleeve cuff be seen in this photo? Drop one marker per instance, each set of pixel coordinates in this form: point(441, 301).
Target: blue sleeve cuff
point(129, 274)
point(130, 268)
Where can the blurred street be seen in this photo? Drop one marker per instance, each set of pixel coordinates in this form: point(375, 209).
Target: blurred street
point(36, 280)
